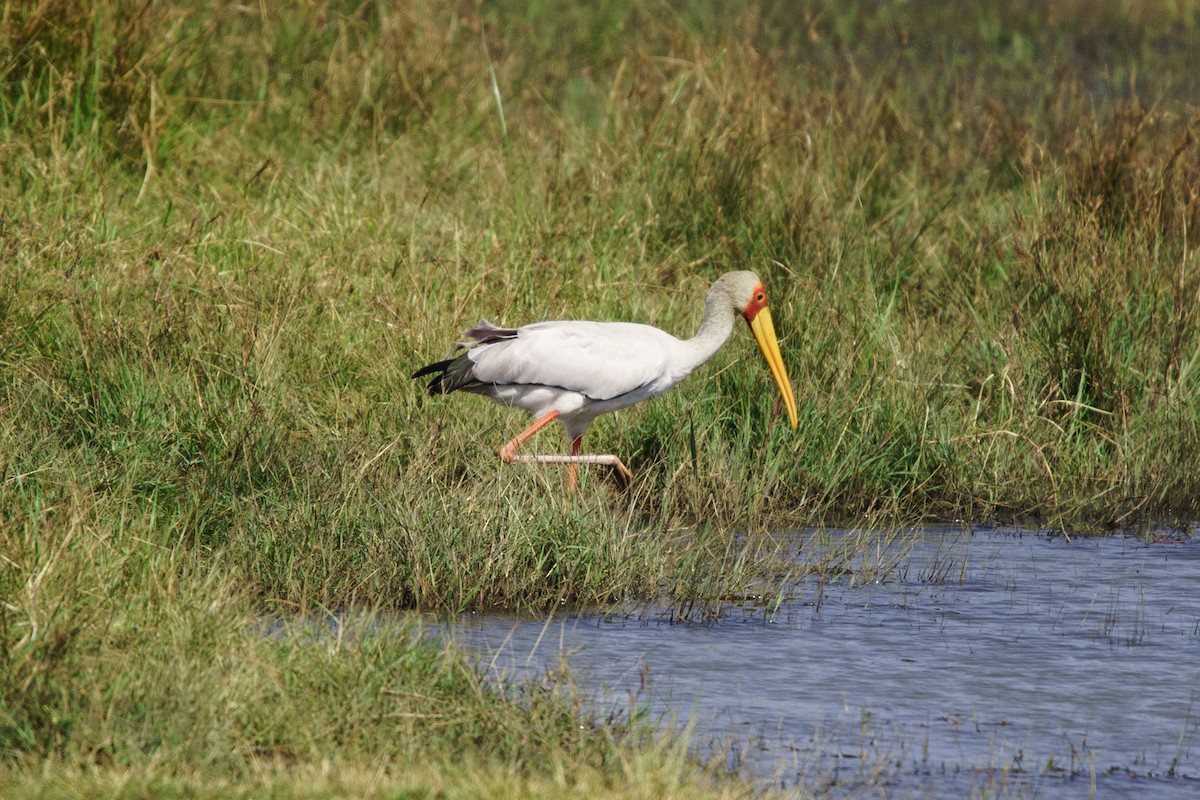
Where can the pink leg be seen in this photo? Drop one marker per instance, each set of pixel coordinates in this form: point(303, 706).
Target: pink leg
point(606, 459)
point(508, 454)
point(572, 469)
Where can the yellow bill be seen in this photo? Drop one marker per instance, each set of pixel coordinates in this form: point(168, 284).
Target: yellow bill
point(764, 333)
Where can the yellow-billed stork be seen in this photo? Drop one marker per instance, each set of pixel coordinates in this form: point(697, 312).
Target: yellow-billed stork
point(573, 371)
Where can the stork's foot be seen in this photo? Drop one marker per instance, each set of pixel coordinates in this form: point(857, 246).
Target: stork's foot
point(622, 472)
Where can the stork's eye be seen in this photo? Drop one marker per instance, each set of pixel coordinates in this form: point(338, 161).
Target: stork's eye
point(760, 297)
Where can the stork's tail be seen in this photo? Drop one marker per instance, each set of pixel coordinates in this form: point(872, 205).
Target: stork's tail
point(458, 373)
point(449, 375)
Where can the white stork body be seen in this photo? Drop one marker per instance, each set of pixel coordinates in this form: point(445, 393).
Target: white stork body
point(581, 369)
point(573, 371)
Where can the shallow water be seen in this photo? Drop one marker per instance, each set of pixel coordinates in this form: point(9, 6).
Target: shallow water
point(988, 662)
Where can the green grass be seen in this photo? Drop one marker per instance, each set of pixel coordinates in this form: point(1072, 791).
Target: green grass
point(228, 234)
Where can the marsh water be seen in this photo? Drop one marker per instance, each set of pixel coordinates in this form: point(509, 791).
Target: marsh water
point(984, 663)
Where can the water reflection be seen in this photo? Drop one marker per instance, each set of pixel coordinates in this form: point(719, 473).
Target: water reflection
point(1007, 663)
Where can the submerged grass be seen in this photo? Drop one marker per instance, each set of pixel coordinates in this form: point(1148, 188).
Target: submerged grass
point(228, 234)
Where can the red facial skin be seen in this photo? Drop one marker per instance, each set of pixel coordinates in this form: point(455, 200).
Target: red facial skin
point(758, 301)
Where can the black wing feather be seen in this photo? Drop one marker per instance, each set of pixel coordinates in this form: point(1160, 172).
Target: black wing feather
point(449, 375)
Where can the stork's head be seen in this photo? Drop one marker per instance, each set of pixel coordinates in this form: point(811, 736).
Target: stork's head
point(749, 298)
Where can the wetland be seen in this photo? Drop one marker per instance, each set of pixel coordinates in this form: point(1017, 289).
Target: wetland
point(989, 662)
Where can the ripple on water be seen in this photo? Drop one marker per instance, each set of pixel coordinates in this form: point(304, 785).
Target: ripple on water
point(994, 661)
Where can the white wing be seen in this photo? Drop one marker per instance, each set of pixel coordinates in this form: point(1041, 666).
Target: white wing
point(600, 360)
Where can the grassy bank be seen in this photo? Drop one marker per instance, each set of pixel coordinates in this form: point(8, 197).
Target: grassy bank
point(140, 672)
point(228, 234)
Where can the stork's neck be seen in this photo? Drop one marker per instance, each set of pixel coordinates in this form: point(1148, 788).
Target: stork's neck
point(715, 328)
